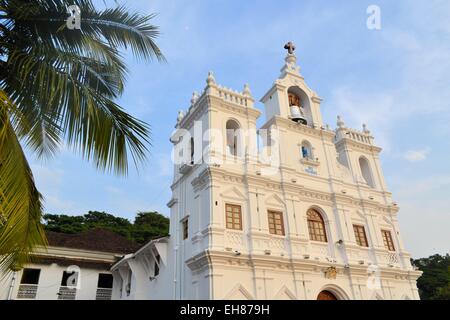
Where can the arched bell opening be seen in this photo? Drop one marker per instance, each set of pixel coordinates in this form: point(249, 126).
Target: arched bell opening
point(299, 108)
point(233, 138)
point(366, 171)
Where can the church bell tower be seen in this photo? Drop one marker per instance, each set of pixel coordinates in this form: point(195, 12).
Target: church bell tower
point(290, 97)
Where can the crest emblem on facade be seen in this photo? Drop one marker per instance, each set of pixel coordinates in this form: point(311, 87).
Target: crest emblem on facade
point(331, 273)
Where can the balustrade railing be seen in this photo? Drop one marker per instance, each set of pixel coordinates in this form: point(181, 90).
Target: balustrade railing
point(388, 258)
point(320, 250)
point(67, 293)
point(27, 291)
point(231, 96)
point(103, 294)
point(359, 136)
point(234, 239)
point(277, 245)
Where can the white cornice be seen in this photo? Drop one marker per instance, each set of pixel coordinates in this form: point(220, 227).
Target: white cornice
point(218, 104)
point(244, 261)
point(70, 253)
point(291, 125)
point(357, 145)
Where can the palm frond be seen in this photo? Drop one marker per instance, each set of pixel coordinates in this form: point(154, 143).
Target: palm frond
point(59, 80)
point(122, 29)
point(59, 85)
point(20, 202)
point(77, 105)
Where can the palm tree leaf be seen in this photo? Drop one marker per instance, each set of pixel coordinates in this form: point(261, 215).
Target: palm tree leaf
point(83, 110)
point(122, 29)
point(30, 74)
point(20, 202)
point(60, 85)
point(59, 82)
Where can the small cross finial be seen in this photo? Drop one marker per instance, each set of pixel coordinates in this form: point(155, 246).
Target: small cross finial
point(290, 47)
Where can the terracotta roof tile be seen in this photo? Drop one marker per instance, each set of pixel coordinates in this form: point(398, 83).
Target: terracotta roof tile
point(95, 240)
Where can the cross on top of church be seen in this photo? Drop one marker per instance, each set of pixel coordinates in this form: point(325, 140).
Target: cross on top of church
point(290, 47)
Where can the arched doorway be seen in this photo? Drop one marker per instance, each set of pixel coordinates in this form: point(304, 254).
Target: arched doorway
point(326, 295)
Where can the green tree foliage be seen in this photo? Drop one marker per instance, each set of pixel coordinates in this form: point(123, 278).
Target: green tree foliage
point(60, 86)
point(434, 284)
point(146, 226)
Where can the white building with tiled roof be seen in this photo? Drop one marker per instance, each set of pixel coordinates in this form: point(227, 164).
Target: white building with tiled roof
point(72, 267)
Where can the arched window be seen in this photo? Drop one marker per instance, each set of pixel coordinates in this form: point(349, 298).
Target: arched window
point(366, 172)
point(232, 137)
point(307, 150)
point(316, 226)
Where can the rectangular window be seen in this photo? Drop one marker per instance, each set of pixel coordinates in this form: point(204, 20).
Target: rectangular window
point(234, 217)
point(158, 260)
point(192, 150)
point(276, 225)
point(30, 276)
point(105, 281)
point(104, 286)
point(69, 279)
point(68, 288)
point(360, 236)
point(387, 240)
point(185, 229)
point(29, 284)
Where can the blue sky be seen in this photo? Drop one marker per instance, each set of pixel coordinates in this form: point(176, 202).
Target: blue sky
point(397, 80)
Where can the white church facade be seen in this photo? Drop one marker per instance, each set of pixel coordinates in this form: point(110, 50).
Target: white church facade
point(292, 210)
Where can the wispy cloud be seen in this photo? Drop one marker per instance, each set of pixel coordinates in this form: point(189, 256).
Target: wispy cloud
point(425, 211)
point(416, 155)
point(416, 188)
